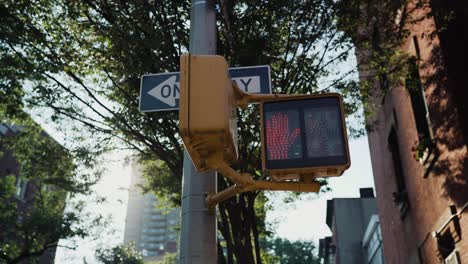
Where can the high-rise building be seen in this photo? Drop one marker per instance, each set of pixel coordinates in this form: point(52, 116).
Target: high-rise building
point(418, 124)
point(153, 228)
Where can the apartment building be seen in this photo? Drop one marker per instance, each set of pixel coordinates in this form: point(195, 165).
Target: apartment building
point(153, 229)
point(418, 127)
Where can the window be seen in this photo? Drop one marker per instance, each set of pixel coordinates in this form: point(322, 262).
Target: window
point(372, 242)
point(416, 47)
point(395, 151)
point(21, 187)
point(418, 100)
point(400, 197)
point(383, 80)
point(446, 243)
point(424, 149)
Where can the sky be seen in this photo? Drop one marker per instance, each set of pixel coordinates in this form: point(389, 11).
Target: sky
point(303, 219)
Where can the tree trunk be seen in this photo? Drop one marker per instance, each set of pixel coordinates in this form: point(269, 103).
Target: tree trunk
point(252, 218)
point(237, 230)
point(224, 228)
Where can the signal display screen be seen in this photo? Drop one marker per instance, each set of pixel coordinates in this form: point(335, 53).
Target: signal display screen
point(323, 132)
point(303, 133)
point(283, 135)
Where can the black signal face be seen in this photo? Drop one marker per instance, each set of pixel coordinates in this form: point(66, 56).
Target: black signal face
point(304, 133)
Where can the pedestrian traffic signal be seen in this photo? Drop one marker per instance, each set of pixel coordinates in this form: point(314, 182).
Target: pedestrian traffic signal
point(207, 112)
point(304, 136)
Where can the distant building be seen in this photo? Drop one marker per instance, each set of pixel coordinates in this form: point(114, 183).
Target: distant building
point(153, 230)
point(327, 250)
point(355, 231)
point(418, 134)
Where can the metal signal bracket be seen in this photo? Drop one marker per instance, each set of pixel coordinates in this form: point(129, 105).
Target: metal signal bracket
point(244, 98)
point(243, 182)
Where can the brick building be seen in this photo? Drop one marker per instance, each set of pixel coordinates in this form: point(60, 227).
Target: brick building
point(24, 198)
point(418, 130)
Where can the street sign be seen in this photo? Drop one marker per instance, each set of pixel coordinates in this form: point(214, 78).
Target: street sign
point(161, 91)
point(255, 79)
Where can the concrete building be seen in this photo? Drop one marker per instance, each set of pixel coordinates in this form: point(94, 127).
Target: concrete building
point(418, 127)
point(355, 231)
point(152, 229)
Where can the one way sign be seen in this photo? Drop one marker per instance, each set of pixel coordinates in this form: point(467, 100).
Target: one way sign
point(160, 92)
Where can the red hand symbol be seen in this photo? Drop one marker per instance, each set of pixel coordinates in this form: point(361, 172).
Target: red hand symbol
point(277, 136)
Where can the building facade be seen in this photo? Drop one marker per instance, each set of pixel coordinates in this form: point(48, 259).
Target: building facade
point(24, 200)
point(418, 132)
point(355, 231)
point(153, 230)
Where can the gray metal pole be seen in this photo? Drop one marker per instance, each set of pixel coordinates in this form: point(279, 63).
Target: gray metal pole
point(198, 229)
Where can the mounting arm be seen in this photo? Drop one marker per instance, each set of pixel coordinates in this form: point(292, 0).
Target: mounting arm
point(245, 98)
point(244, 183)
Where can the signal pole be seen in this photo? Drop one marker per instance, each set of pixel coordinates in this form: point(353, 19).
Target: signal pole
point(198, 241)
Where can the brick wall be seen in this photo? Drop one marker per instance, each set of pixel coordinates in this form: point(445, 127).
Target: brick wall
point(431, 188)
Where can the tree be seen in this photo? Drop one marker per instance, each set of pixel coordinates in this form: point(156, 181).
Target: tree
point(33, 223)
point(377, 29)
point(121, 254)
point(82, 61)
point(169, 258)
point(292, 252)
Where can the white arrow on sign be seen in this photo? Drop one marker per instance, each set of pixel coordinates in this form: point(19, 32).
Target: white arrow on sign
point(167, 91)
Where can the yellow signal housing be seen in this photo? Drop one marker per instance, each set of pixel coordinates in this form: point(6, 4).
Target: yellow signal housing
point(207, 112)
